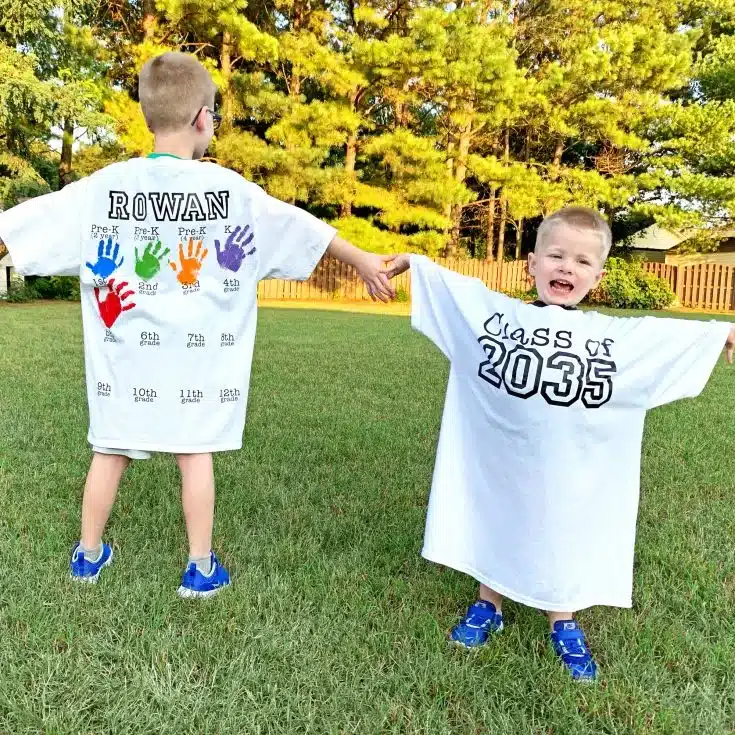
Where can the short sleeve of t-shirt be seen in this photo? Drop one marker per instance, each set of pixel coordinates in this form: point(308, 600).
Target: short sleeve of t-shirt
point(674, 358)
point(290, 240)
point(44, 234)
point(434, 309)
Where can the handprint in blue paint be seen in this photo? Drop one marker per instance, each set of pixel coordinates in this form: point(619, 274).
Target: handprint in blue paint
point(232, 255)
point(106, 263)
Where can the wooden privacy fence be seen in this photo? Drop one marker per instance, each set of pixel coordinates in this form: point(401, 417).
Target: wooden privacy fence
point(333, 280)
point(709, 286)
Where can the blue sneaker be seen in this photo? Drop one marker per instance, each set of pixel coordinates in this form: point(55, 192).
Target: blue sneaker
point(475, 628)
point(84, 570)
point(571, 647)
point(196, 584)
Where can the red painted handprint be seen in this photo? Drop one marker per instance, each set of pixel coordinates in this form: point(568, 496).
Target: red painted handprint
point(112, 306)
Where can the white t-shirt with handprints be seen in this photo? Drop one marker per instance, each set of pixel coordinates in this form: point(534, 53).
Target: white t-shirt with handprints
point(170, 253)
point(536, 483)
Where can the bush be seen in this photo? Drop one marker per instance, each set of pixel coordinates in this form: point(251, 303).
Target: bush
point(627, 286)
point(56, 287)
point(530, 294)
point(20, 291)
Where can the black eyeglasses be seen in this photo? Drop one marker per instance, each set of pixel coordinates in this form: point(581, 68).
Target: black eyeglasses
point(216, 117)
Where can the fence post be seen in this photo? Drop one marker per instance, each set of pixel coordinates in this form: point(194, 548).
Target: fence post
point(679, 290)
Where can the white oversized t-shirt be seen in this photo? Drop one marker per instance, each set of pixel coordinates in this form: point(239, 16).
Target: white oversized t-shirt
point(170, 253)
point(536, 483)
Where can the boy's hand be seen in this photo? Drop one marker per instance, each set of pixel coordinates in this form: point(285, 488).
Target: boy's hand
point(399, 264)
point(730, 346)
point(372, 271)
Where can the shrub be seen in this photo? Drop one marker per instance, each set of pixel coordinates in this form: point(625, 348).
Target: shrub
point(20, 291)
point(627, 286)
point(524, 294)
point(56, 287)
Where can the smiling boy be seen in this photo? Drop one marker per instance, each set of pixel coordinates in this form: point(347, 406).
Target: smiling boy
point(536, 484)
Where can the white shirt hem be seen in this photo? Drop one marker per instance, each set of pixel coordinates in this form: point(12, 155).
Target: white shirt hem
point(166, 448)
point(572, 606)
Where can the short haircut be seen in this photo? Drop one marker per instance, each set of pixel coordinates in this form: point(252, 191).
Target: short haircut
point(172, 88)
point(583, 219)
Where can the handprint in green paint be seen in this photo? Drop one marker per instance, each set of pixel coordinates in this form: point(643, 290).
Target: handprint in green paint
point(149, 265)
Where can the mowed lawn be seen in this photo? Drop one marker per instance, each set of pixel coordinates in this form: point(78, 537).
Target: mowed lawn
point(334, 623)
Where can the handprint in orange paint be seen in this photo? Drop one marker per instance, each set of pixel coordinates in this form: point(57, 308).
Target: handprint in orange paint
point(187, 272)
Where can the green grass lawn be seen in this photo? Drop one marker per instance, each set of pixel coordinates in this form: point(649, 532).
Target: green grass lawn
point(334, 623)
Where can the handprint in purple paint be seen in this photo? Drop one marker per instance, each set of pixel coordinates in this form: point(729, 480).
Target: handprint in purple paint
point(231, 256)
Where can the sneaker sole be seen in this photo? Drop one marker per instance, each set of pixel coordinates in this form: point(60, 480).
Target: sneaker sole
point(92, 579)
point(186, 594)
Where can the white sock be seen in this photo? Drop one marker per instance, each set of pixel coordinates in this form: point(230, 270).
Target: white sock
point(203, 563)
point(92, 555)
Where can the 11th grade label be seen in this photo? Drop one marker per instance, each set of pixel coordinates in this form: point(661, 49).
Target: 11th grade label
point(191, 396)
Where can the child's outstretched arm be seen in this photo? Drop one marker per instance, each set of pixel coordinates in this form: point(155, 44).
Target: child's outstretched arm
point(370, 266)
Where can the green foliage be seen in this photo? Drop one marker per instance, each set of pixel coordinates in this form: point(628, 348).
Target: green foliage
point(64, 288)
point(627, 286)
point(441, 128)
point(20, 292)
point(402, 296)
point(523, 294)
point(366, 235)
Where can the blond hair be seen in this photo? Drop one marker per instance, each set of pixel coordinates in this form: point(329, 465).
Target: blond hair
point(172, 88)
point(583, 219)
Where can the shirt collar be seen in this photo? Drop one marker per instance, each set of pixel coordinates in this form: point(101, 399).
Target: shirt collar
point(163, 155)
point(567, 307)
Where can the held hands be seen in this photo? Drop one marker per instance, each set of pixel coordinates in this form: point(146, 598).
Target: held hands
point(399, 264)
point(371, 268)
point(377, 277)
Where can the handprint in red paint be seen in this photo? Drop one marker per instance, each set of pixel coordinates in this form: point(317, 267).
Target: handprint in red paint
point(113, 305)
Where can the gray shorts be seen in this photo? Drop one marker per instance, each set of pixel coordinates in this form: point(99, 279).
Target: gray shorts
point(129, 453)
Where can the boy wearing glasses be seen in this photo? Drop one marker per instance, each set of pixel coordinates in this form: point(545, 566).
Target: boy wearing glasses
point(169, 251)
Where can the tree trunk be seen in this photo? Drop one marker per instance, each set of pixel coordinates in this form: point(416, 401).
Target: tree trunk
point(460, 171)
point(225, 63)
point(503, 201)
point(490, 232)
point(67, 151)
point(448, 207)
point(350, 160)
point(149, 19)
point(501, 232)
point(519, 239)
point(556, 163)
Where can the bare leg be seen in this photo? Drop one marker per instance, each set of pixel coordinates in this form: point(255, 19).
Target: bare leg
point(100, 490)
point(555, 617)
point(197, 498)
point(490, 595)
